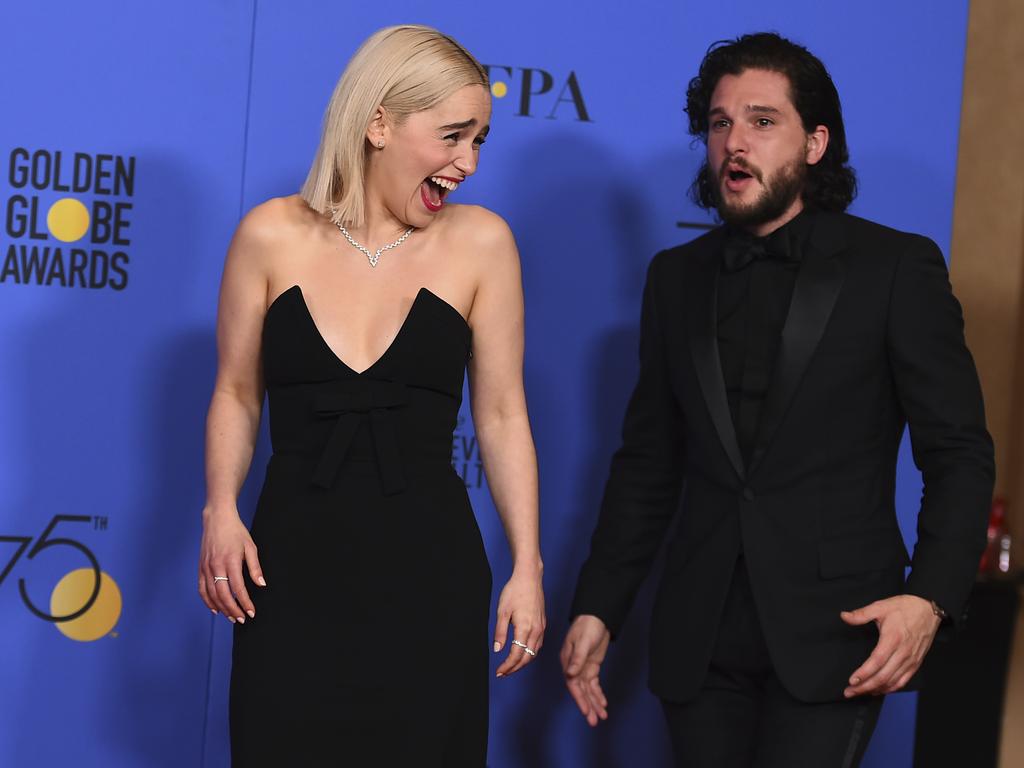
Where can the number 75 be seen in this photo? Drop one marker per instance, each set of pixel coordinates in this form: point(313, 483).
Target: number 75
point(45, 542)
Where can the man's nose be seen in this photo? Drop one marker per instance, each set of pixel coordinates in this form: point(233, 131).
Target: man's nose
point(736, 139)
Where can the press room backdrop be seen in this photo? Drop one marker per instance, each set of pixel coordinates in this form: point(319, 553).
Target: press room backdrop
point(133, 137)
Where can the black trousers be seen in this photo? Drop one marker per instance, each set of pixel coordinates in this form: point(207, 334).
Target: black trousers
point(744, 718)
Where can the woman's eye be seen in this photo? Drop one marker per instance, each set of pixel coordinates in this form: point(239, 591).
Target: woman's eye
point(452, 137)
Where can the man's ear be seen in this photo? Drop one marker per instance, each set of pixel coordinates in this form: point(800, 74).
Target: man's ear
point(817, 143)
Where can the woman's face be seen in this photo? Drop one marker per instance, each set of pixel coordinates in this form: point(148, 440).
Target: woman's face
point(429, 154)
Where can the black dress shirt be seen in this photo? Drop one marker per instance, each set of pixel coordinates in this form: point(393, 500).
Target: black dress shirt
point(753, 300)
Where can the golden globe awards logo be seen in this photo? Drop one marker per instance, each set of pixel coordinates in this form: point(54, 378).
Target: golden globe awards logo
point(534, 91)
point(67, 219)
point(85, 604)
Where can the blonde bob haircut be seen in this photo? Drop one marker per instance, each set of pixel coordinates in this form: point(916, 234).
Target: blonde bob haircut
point(404, 69)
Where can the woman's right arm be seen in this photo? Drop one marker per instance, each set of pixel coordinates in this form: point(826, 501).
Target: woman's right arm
point(233, 420)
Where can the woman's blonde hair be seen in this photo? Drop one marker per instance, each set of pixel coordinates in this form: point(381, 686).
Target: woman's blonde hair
point(404, 69)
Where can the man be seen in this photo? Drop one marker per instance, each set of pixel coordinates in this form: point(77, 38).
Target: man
point(781, 356)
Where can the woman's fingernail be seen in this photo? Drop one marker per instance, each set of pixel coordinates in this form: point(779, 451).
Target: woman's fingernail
point(500, 674)
point(241, 620)
point(497, 647)
point(252, 613)
point(231, 620)
point(213, 611)
point(262, 581)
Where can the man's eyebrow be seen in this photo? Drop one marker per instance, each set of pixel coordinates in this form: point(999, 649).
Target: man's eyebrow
point(749, 108)
point(761, 108)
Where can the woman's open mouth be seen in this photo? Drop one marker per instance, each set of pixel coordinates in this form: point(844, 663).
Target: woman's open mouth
point(435, 189)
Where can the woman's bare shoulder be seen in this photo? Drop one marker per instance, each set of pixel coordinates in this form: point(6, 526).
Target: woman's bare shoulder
point(278, 226)
point(482, 228)
point(278, 218)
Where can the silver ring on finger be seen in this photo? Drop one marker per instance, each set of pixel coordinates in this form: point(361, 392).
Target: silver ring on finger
point(526, 649)
point(219, 578)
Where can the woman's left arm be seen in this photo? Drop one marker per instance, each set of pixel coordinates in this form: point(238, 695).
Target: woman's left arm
point(506, 445)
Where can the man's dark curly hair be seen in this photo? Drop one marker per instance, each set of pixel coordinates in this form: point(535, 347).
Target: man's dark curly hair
point(831, 184)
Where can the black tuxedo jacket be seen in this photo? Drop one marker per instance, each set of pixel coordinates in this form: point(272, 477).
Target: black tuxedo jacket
point(873, 341)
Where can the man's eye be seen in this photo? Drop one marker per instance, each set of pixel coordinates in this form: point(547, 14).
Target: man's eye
point(719, 124)
point(765, 122)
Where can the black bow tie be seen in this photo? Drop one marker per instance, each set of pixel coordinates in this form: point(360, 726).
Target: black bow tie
point(742, 249)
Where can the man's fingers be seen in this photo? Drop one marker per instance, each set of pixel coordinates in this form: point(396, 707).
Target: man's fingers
point(577, 658)
point(565, 654)
point(877, 682)
point(884, 650)
point(864, 615)
point(887, 675)
point(598, 703)
point(904, 678)
point(579, 695)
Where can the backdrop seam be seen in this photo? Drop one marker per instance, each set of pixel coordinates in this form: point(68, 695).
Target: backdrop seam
point(241, 203)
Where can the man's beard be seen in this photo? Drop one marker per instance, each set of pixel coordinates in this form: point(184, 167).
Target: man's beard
point(778, 194)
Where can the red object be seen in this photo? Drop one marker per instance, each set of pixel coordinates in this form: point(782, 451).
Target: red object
point(997, 531)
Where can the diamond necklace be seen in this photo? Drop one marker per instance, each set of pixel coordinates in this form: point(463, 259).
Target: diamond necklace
point(374, 257)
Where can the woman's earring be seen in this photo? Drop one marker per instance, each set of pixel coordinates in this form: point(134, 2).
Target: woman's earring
point(380, 143)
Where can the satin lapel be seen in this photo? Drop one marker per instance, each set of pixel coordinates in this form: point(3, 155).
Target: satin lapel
point(814, 296)
point(702, 326)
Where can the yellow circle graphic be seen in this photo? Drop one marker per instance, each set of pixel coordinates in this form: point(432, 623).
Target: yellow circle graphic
point(68, 220)
point(499, 89)
point(70, 595)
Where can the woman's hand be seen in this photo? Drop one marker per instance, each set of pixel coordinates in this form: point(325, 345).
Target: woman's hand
point(521, 604)
point(226, 544)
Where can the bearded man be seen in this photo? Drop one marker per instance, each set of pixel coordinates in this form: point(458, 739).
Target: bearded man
point(781, 356)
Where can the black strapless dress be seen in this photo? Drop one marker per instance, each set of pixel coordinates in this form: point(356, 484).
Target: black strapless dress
point(370, 642)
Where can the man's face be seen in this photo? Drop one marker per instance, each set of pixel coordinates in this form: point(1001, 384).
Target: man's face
point(758, 150)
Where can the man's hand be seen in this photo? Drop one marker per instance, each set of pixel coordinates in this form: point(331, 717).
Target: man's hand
point(906, 627)
point(582, 653)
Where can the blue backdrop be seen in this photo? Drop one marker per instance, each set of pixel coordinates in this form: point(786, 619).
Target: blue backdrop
point(134, 137)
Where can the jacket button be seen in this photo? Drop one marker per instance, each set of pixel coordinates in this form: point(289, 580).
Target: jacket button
point(748, 494)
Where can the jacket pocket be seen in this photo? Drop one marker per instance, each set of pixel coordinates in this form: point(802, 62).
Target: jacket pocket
point(861, 552)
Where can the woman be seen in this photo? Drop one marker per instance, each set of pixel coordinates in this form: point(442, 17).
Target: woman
point(361, 625)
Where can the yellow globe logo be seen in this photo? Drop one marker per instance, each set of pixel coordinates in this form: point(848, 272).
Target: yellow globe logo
point(68, 220)
point(70, 595)
point(499, 89)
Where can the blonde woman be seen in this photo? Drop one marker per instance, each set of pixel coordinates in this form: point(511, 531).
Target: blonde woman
point(361, 625)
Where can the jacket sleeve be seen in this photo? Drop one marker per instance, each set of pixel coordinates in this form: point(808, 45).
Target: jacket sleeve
point(644, 483)
point(940, 395)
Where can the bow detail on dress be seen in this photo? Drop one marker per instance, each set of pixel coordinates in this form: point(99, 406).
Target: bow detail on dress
point(350, 402)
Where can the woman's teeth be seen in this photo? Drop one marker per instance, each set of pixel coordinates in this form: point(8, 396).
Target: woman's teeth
point(451, 186)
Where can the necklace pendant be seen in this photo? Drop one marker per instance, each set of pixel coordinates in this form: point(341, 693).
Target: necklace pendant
point(373, 258)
